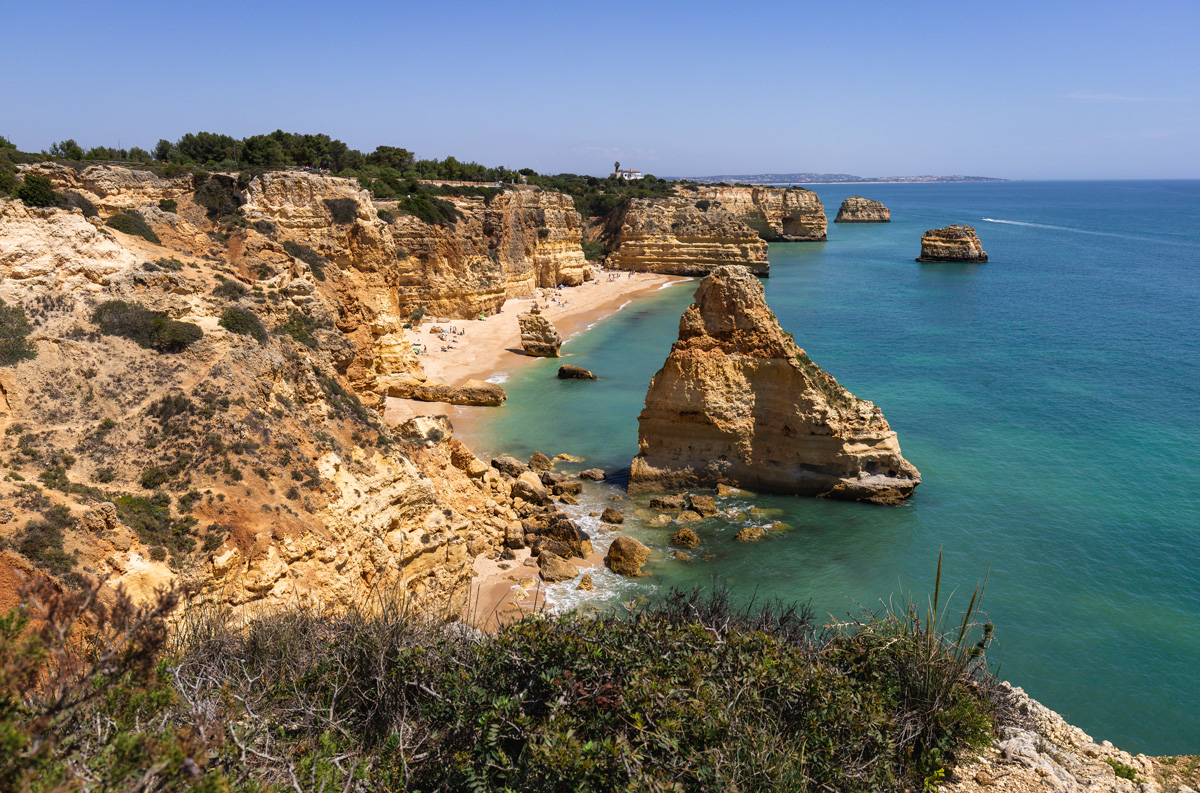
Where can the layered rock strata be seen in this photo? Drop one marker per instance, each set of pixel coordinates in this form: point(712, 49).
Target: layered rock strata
point(678, 237)
point(507, 247)
point(954, 243)
point(857, 209)
point(739, 403)
point(777, 214)
point(538, 336)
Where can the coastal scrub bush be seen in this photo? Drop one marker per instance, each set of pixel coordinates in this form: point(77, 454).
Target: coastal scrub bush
point(231, 290)
point(131, 222)
point(82, 204)
point(42, 541)
point(592, 250)
point(434, 211)
point(168, 205)
point(14, 335)
point(703, 204)
point(150, 329)
point(342, 210)
point(219, 196)
point(300, 327)
point(239, 320)
point(314, 260)
point(36, 191)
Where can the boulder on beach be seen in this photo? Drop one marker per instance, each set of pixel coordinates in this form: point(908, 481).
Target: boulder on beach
point(538, 336)
point(611, 515)
point(626, 556)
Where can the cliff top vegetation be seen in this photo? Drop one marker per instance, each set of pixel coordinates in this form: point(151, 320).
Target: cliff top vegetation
point(690, 693)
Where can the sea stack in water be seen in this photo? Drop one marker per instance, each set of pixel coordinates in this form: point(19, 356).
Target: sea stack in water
point(538, 336)
point(857, 209)
point(739, 403)
point(954, 243)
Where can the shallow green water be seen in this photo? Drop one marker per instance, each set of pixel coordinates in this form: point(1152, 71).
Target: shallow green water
point(1050, 399)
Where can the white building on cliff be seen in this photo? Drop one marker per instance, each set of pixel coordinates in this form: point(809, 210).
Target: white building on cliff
point(620, 174)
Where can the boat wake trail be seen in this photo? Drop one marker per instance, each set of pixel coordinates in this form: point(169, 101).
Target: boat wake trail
point(1077, 231)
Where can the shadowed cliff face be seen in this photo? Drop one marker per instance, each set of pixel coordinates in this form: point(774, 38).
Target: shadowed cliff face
point(679, 237)
point(738, 402)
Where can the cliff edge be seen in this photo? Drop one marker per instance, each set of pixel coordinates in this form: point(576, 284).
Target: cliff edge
point(738, 402)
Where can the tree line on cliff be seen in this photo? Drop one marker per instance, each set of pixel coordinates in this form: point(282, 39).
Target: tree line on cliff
point(389, 172)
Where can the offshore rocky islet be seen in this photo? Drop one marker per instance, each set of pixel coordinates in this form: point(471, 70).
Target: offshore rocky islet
point(417, 509)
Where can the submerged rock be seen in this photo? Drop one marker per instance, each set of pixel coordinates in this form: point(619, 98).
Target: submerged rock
point(569, 372)
point(538, 336)
point(857, 209)
point(954, 243)
point(738, 402)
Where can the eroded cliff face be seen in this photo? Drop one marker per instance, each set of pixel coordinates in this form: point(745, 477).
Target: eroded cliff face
point(57, 249)
point(678, 236)
point(954, 243)
point(739, 403)
point(521, 240)
point(778, 214)
point(244, 465)
point(113, 188)
point(857, 209)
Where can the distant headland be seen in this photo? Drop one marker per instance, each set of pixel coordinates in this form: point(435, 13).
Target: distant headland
point(830, 178)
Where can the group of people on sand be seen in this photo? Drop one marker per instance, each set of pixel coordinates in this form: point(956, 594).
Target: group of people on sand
point(450, 336)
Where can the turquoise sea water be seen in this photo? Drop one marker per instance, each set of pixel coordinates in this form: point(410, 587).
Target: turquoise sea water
point(1050, 399)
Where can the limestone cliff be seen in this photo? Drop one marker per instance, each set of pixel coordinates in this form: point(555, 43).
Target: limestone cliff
point(57, 249)
point(521, 240)
point(242, 463)
point(954, 243)
point(681, 236)
point(857, 209)
point(114, 188)
point(738, 402)
point(778, 214)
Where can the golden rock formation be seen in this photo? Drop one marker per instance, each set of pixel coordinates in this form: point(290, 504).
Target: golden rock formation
point(857, 209)
point(739, 403)
point(954, 243)
point(675, 236)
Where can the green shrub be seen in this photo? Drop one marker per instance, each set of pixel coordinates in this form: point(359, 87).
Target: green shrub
point(1121, 770)
point(151, 519)
point(82, 204)
point(42, 541)
point(592, 250)
point(246, 323)
point(131, 222)
point(314, 260)
point(264, 227)
point(703, 204)
point(36, 191)
point(434, 211)
point(231, 290)
point(168, 205)
point(150, 329)
point(14, 335)
point(300, 327)
point(342, 210)
point(219, 196)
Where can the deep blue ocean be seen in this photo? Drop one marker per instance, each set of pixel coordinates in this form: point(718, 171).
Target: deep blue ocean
point(1050, 399)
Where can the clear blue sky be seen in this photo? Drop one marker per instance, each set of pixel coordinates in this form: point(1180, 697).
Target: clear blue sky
point(1027, 90)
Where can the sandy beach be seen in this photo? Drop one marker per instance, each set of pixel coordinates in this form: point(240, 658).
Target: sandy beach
point(492, 347)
